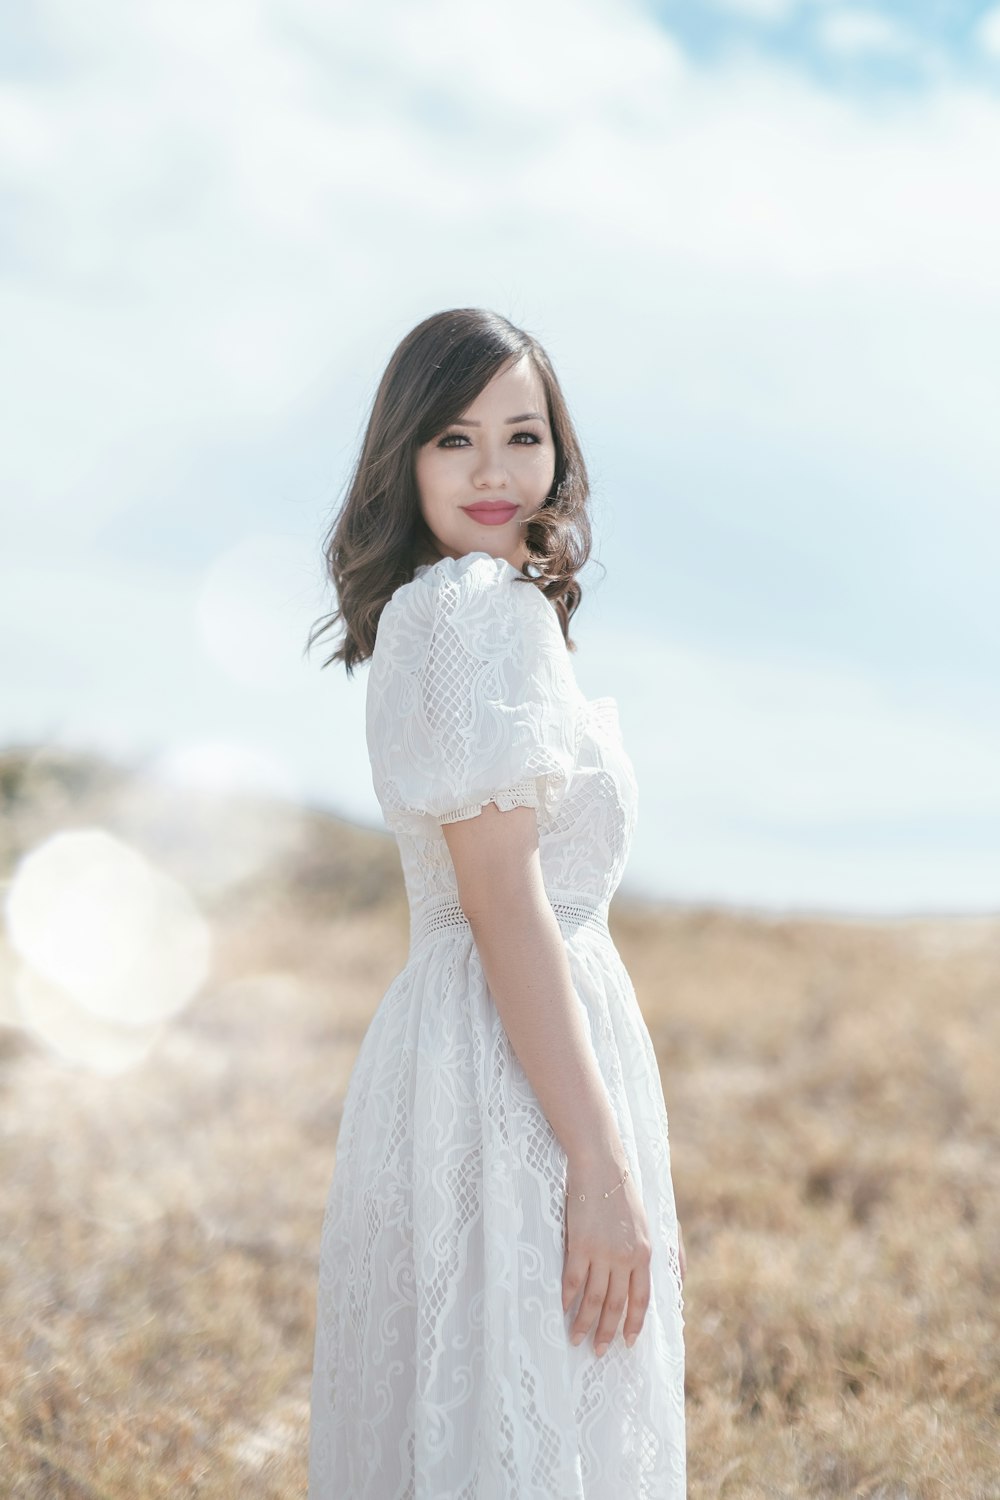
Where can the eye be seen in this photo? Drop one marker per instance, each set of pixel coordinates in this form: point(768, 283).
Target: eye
point(451, 437)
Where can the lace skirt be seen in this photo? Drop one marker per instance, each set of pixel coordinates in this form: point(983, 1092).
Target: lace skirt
point(443, 1368)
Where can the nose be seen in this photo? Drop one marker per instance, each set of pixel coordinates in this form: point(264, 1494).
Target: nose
point(491, 469)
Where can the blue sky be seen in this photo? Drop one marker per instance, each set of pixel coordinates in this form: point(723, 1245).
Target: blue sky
point(760, 240)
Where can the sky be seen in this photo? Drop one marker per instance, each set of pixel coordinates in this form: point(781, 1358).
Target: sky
point(760, 240)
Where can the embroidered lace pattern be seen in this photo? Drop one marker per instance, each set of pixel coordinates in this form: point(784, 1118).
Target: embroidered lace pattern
point(443, 1368)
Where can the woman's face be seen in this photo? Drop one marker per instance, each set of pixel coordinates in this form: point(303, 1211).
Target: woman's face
point(499, 456)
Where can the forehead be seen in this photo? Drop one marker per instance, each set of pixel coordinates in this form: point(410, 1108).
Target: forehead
point(519, 383)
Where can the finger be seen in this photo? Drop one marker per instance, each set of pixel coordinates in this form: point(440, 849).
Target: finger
point(575, 1273)
point(591, 1303)
point(611, 1313)
point(638, 1301)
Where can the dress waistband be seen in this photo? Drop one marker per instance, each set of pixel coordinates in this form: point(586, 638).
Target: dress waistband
point(430, 920)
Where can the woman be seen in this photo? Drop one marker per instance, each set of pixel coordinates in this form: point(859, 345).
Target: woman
point(499, 1311)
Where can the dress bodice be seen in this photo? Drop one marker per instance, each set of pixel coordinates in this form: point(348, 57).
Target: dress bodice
point(471, 698)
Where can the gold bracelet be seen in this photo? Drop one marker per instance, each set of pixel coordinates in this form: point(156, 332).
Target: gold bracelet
point(583, 1197)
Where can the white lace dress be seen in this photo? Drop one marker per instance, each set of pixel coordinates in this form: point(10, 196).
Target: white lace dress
point(443, 1368)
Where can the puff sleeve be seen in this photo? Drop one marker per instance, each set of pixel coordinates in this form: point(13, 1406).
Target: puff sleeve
point(471, 697)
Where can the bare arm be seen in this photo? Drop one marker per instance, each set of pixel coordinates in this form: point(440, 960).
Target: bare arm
point(526, 966)
point(524, 960)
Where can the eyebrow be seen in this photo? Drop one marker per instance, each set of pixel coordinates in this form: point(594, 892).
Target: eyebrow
point(527, 416)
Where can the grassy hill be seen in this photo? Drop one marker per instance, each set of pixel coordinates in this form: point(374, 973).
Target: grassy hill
point(832, 1091)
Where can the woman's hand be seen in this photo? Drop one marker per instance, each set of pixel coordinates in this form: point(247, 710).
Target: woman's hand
point(608, 1252)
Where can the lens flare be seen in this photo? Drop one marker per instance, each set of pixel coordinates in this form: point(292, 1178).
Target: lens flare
point(91, 917)
point(76, 1035)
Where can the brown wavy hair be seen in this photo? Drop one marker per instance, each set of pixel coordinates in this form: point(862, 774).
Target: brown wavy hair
point(379, 536)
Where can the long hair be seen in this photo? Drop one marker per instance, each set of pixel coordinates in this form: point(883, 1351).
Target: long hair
point(379, 537)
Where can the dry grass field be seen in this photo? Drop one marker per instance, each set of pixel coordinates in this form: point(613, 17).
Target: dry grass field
point(833, 1096)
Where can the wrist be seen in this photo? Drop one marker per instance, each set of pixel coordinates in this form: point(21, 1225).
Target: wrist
point(597, 1163)
point(575, 1185)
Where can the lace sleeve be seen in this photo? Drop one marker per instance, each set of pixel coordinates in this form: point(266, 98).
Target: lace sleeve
point(471, 697)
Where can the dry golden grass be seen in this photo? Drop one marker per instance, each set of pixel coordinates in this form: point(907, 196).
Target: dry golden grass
point(832, 1089)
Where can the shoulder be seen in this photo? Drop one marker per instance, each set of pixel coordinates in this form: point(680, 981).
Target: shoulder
point(476, 588)
point(474, 573)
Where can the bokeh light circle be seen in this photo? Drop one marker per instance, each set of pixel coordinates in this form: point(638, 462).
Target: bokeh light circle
point(89, 915)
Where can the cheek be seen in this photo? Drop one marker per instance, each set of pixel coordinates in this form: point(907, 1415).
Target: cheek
point(545, 469)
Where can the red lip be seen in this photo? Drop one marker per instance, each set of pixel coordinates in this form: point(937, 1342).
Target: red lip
point(489, 508)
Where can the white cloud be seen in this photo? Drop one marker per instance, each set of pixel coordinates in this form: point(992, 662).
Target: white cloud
point(988, 32)
point(856, 33)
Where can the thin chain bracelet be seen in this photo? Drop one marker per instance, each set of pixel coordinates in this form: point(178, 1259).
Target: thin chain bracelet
point(583, 1197)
